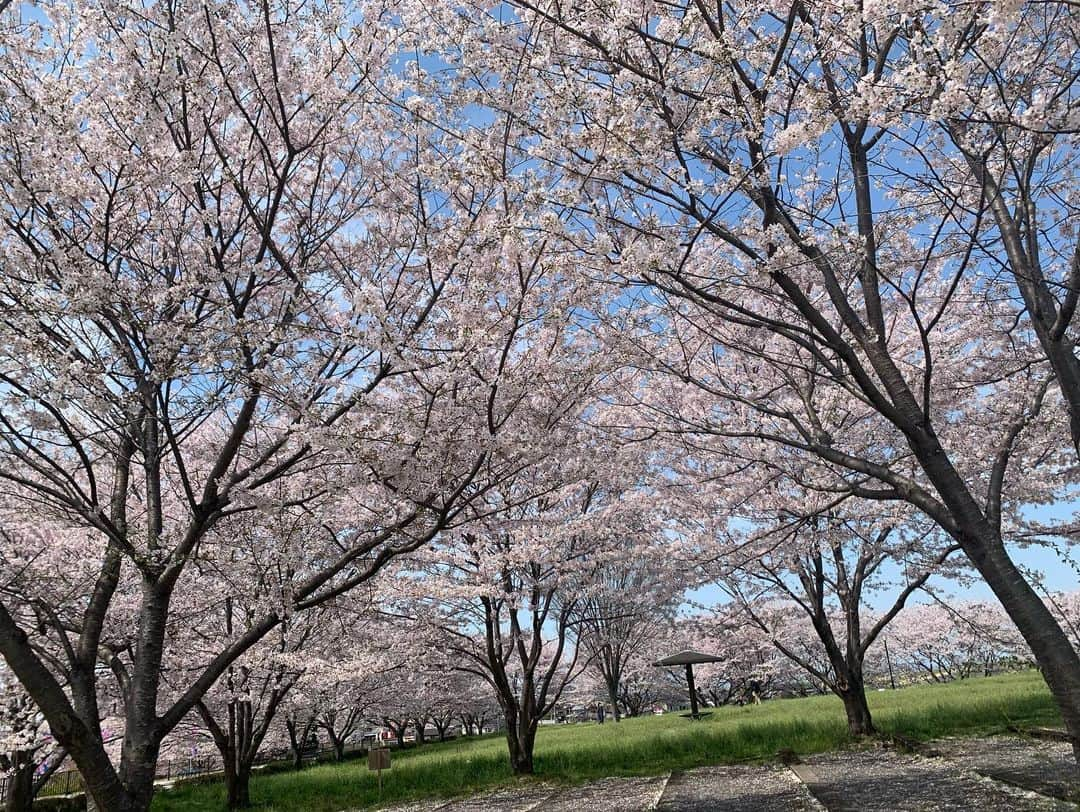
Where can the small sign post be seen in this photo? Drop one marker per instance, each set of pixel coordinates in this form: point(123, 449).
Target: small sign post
point(378, 759)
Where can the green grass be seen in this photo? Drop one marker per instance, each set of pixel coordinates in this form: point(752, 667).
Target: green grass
point(652, 745)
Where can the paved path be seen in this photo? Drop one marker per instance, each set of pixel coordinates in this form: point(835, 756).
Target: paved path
point(1045, 766)
point(884, 780)
point(1001, 773)
point(736, 789)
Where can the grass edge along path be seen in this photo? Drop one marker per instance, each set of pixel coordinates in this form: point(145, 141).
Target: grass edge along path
point(568, 754)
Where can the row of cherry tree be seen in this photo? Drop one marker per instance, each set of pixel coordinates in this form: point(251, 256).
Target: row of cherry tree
point(481, 329)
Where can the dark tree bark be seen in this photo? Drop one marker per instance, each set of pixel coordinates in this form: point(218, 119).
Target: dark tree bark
point(520, 740)
point(844, 335)
point(843, 558)
point(298, 738)
point(238, 742)
point(20, 787)
point(419, 725)
point(442, 725)
point(528, 677)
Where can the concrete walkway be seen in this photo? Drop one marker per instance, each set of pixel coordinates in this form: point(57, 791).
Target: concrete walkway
point(884, 780)
point(1001, 773)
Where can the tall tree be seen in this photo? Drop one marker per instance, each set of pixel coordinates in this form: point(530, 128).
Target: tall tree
point(844, 207)
point(828, 563)
point(502, 596)
point(630, 606)
point(229, 287)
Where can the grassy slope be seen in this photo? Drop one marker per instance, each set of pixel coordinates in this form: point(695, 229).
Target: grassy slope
point(573, 753)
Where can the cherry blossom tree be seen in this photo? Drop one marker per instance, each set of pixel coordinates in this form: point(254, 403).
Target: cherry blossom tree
point(847, 228)
point(230, 289)
point(298, 719)
point(242, 708)
point(476, 704)
point(237, 583)
point(620, 620)
point(941, 642)
point(827, 563)
point(502, 596)
point(28, 754)
point(641, 685)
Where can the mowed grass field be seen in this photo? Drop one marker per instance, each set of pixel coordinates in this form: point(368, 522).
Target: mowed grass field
point(645, 746)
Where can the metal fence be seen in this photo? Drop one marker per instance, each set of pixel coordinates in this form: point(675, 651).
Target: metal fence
point(69, 782)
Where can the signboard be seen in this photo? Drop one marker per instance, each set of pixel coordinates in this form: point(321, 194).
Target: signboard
point(378, 758)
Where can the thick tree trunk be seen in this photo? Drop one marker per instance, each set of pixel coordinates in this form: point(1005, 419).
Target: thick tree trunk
point(520, 739)
point(980, 538)
point(858, 712)
point(20, 789)
point(339, 748)
point(1051, 646)
point(137, 773)
point(237, 780)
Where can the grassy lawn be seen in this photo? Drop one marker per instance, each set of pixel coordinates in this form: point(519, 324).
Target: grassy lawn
point(656, 744)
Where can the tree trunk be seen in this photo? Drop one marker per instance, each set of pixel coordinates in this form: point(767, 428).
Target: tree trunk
point(137, 774)
point(298, 738)
point(858, 712)
point(980, 539)
point(520, 739)
point(521, 760)
point(237, 779)
point(1050, 645)
point(613, 697)
point(20, 789)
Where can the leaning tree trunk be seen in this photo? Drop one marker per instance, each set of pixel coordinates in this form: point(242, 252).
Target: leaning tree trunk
point(1048, 642)
point(978, 534)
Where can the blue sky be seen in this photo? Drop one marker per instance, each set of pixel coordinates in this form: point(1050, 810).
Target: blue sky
point(1053, 571)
